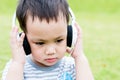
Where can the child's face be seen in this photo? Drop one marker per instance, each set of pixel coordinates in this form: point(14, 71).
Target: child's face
point(47, 40)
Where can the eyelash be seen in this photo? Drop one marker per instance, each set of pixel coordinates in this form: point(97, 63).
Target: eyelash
point(39, 43)
point(42, 43)
point(60, 40)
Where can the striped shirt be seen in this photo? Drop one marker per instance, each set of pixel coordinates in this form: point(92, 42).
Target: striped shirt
point(63, 70)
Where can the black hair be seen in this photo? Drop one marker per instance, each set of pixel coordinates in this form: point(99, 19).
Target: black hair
point(43, 9)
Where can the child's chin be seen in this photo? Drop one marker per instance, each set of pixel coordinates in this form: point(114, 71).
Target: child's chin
point(51, 64)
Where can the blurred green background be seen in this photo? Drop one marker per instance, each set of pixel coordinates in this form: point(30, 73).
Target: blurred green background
point(100, 22)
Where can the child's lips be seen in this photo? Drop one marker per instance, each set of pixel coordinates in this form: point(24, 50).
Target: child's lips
point(51, 60)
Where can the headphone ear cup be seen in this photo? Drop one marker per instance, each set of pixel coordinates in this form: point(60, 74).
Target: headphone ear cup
point(26, 45)
point(69, 35)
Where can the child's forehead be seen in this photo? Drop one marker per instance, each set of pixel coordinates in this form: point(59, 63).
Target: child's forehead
point(57, 18)
point(42, 30)
point(37, 23)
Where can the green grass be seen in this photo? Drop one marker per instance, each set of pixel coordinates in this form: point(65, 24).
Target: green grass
point(101, 44)
point(100, 23)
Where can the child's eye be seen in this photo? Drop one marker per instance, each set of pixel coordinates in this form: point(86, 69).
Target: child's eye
point(39, 43)
point(59, 40)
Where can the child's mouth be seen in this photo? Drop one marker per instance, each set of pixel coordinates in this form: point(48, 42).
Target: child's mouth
point(51, 60)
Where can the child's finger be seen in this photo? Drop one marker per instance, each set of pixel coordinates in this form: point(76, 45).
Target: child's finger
point(68, 50)
point(20, 39)
point(79, 30)
point(13, 35)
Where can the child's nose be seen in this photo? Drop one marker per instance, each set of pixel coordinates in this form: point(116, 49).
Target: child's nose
point(50, 50)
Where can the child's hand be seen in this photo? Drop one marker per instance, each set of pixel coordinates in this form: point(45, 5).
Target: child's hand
point(16, 43)
point(78, 48)
point(82, 67)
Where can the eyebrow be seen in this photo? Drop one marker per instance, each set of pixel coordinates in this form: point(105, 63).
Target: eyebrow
point(62, 36)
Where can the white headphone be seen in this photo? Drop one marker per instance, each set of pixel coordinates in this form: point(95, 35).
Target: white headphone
point(71, 35)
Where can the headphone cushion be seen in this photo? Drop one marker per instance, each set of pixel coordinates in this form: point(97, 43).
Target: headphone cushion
point(69, 35)
point(26, 45)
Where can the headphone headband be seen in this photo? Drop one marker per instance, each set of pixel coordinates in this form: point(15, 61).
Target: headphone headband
point(70, 11)
point(72, 14)
point(14, 19)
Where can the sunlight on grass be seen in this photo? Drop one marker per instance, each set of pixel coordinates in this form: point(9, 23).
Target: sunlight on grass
point(101, 43)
